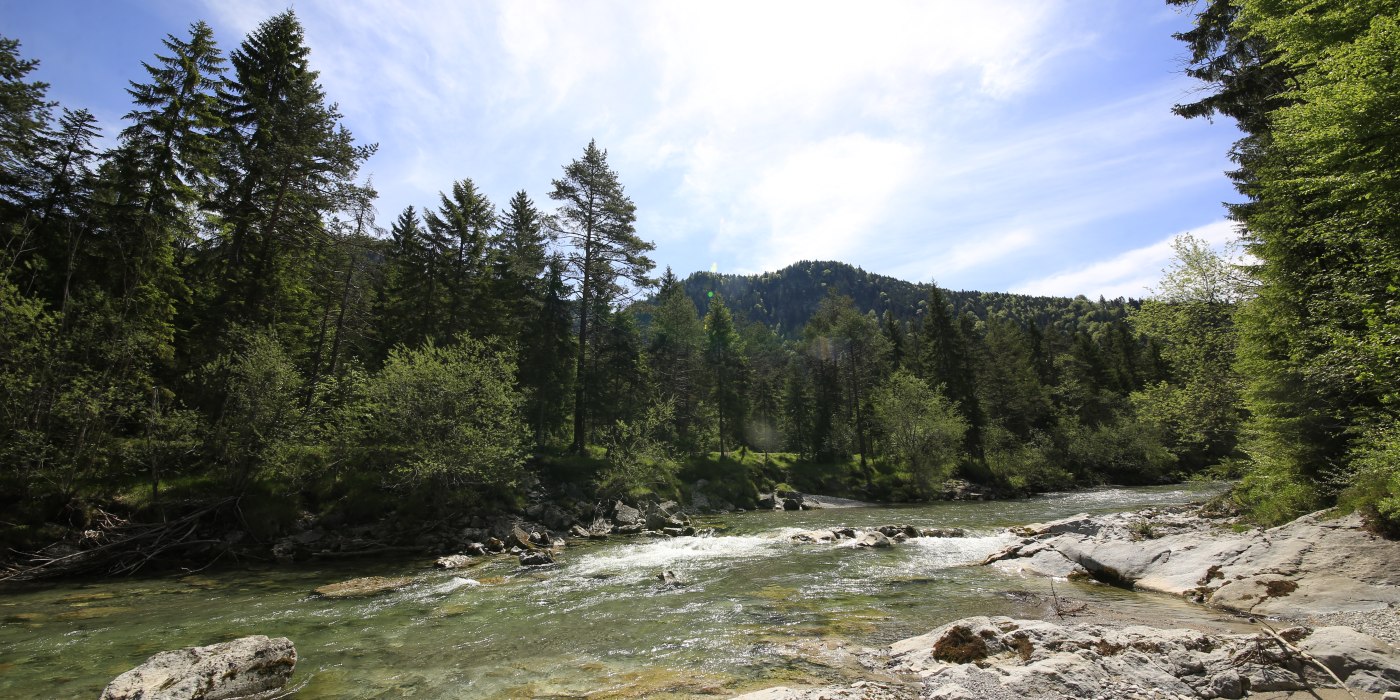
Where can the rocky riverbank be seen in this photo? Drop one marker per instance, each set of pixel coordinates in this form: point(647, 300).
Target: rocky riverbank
point(1328, 589)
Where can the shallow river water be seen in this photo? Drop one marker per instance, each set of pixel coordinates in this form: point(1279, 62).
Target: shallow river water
point(595, 625)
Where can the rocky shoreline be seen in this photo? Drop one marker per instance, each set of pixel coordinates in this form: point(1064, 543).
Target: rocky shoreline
point(1328, 589)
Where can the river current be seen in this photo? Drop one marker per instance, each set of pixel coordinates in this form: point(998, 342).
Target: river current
point(757, 610)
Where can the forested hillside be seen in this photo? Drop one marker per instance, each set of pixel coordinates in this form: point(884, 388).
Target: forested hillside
point(786, 299)
point(212, 311)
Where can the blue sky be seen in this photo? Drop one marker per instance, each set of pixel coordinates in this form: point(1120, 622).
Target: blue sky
point(1001, 146)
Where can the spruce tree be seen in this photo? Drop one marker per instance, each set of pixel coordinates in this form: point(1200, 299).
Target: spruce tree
point(461, 231)
point(286, 162)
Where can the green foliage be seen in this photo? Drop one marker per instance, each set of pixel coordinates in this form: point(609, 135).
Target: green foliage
point(726, 365)
point(1123, 450)
point(1024, 465)
point(640, 461)
point(447, 416)
point(1200, 409)
point(921, 429)
point(1376, 479)
point(258, 420)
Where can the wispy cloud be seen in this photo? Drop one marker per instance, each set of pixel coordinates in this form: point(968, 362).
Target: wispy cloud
point(924, 140)
point(1130, 274)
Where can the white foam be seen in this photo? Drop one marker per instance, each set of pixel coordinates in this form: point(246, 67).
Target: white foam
point(647, 559)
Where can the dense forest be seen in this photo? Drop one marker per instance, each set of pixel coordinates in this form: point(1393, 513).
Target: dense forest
point(210, 311)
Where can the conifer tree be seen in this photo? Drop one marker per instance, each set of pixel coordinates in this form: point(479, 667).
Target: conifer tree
point(724, 355)
point(675, 350)
point(287, 162)
point(461, 232)
point(597, 219)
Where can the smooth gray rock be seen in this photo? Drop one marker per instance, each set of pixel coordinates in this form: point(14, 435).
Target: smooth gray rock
point(453, 561)
point(250, 667)
point(626, 515)
point(873, 538)
point(812, 536)
point(1309, 566)
point(1030, 657)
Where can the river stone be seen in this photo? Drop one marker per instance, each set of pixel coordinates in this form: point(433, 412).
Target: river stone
point(625, 515)
point(250, 667)
point(1364, 662)
point(539, 558)
point(943, 532)
point(453, 561)
point(810, 536)
point(360, 587)
point(1033, 658)
point(873, 538)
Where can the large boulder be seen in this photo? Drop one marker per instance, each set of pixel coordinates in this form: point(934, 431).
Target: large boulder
point(250, 667)
point(1310, 566)
point(625, 515)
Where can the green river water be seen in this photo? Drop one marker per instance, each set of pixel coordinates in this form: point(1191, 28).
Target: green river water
point(597, 624)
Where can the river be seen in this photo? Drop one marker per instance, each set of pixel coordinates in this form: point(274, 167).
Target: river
point(597, 624)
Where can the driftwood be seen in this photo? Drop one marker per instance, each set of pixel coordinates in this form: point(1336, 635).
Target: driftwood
point(1305, 656)
point(116, 547)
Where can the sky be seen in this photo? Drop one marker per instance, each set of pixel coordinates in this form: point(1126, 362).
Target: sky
point(1024, 146)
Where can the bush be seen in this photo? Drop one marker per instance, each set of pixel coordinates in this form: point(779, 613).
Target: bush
point(447, 416)
point(1376, 481)
point(921, 429)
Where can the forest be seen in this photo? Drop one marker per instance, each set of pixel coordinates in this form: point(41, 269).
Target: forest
point(212, 310)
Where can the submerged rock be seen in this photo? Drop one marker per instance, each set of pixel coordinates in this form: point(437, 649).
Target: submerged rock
point(359, 587)
point(250, 667)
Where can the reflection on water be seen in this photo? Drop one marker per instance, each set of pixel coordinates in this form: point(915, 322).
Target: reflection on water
point(599, 622)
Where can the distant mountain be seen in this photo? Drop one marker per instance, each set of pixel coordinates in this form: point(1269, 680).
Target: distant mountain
point(787, 298)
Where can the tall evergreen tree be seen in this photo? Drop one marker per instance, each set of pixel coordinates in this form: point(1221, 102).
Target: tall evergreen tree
point(675, 350)
point(25, 112)
point(597, 219)
point(724, 357)
point(945, 362)
point(461, 231)
point(286, 163)
point(409, 294)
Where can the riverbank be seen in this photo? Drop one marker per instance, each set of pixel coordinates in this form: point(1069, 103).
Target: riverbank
point(1322, 595)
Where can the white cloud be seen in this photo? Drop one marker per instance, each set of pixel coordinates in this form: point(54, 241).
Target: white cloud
point(903, 136)
point(1129, 274)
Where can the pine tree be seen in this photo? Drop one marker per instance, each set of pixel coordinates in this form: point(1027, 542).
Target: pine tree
point(521, 259)
point(597, 219)
point(171, 131)
point(410, 293)
point(24, 120)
